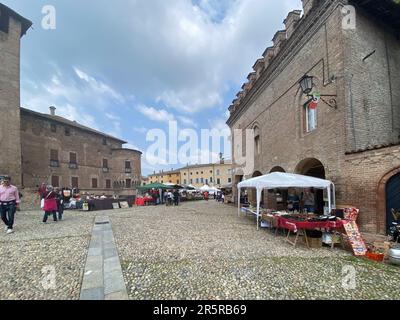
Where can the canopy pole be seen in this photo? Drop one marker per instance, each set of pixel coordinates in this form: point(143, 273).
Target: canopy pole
point(329, 200)
point(259, 191)
point(334, 195)
point(238, 195)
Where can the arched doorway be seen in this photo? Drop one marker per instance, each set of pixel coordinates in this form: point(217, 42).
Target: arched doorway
point(392, 199)
point(252, 193)
point(277, 169)
point(311, 167)
point(314, 168)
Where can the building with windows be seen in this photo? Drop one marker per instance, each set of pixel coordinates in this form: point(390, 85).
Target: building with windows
point(65, 153)
point(324, 101)
point(37, 148)
point(215, 174)
point(172, 176)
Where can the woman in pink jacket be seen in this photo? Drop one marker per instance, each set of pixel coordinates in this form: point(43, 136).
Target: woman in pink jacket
point(50, 204)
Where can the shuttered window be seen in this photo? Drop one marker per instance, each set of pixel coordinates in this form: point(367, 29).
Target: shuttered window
point(72, 157)
point(75, 182)
point(54, 155)
point(55, 181)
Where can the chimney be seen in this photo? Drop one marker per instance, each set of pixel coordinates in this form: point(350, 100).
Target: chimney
point(291, 22)
point(52, 111)
point(307, 6)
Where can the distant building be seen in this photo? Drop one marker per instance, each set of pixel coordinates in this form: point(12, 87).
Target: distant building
point(172, 176)
point(145, 181)
point(215, 174)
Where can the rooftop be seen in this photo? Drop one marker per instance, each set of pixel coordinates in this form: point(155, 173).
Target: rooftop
point(64, 121)
point(25, 23)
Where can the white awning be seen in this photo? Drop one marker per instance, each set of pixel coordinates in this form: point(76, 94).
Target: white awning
point(286, 180)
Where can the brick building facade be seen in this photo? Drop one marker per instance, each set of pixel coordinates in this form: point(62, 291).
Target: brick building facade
point(352, 138)
point(38, 147)
point(12, 28)
point(67, 154)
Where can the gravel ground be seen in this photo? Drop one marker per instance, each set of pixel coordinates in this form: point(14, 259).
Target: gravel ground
point(31, 256)
point(197, 251)
point(204, 251)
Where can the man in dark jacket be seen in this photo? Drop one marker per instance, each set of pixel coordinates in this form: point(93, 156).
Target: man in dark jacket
point(176, 197)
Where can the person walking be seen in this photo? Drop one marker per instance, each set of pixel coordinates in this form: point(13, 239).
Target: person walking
point(9, 202)
point(50, 204)
point(60, 203)
point(176, 197)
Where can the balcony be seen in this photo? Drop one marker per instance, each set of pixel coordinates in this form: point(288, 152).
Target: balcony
point(106, 170)
point(73, 166)
point(128, 170)
point(54, 163)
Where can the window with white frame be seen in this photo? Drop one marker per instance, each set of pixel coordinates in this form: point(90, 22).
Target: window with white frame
point(311, 119)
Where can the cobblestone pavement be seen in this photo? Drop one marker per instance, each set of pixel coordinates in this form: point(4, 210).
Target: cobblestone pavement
point(197, 251)
point(205, 251)
point(36, 252)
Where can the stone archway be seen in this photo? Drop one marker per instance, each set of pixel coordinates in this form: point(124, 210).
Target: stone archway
point(277, 169)
point(314, 168)
point(382, 210)
point(311, 167)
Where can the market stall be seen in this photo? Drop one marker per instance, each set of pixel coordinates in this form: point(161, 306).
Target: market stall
point(285, 180)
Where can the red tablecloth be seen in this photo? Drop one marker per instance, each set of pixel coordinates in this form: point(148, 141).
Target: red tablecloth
point(142, 201)
point(294, 225)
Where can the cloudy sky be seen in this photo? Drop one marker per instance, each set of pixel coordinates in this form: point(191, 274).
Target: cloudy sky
point(127, 66)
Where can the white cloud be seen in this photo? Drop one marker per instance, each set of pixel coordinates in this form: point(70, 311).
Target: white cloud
point(141, 130)
point(187, 121)
point(99, 87)
point(156, 115)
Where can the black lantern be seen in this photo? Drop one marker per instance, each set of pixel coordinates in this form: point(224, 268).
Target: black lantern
point(306, 84)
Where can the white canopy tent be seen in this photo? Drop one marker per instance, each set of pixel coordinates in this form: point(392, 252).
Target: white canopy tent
point(205, 188)
point(214, 189)
point(278, 180)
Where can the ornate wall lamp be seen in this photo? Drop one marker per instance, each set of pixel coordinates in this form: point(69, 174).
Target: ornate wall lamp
point(307, 84)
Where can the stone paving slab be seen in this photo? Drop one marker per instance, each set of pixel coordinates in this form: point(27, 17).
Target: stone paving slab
point(103, 279)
